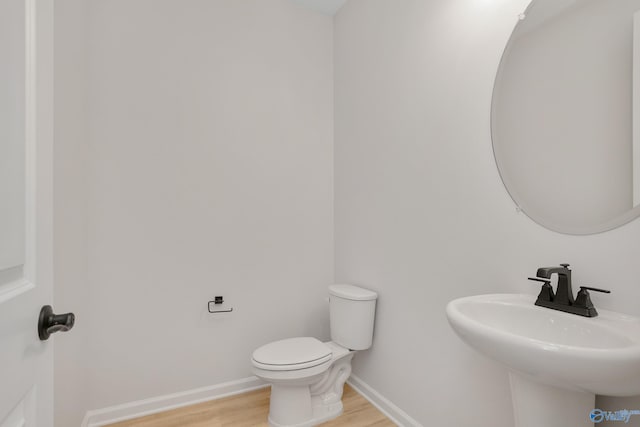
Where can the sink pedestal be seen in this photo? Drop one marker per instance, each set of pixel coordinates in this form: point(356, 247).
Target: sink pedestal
point(536, 404)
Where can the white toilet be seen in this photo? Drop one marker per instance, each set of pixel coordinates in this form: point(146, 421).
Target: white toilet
point(306, 375)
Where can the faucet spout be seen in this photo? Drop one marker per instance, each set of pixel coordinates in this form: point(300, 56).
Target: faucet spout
point(564, 292)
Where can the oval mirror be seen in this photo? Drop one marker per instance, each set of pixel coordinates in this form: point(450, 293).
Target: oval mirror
point(565, 118)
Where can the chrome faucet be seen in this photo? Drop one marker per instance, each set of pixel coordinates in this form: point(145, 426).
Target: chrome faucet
point(563, 299)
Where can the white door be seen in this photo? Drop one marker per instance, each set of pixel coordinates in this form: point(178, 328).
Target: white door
point(26, 129)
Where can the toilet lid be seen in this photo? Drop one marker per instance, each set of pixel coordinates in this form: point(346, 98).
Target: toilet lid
point(291, 354)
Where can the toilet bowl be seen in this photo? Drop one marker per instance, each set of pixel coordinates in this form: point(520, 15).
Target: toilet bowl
point(306, 375)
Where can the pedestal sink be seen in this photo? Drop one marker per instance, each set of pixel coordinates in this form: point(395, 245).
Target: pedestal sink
point(557, 361)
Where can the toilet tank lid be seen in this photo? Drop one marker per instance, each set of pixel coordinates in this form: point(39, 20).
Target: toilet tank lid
point(351, 292)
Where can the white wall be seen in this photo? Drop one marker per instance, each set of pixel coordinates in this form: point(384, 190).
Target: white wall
point(421, 214)
point(209, 172)
point(70, 211)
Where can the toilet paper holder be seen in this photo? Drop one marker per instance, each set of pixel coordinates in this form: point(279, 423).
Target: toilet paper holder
point(217, 300)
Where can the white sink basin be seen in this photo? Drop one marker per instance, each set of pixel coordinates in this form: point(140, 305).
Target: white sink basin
point(586, 356)
point(600, 355)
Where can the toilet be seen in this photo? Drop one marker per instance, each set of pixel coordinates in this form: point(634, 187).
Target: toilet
point(306, 375)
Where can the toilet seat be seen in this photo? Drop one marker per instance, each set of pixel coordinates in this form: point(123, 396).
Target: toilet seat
point(291, 354)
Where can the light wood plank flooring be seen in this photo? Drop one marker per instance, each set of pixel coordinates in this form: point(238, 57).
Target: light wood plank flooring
point(251, 409)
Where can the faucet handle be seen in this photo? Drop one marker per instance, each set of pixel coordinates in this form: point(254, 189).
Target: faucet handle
point(589, 288)
point(539, 279)
point(565, 265)
point(546, 292)
point(583, 300)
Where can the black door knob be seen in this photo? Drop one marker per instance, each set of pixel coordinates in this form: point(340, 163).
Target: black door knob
point(50, 323)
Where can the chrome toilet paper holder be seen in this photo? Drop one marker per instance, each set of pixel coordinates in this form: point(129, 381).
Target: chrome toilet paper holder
point(217, 300)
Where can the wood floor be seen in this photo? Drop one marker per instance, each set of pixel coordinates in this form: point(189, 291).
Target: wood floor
point(251, 409)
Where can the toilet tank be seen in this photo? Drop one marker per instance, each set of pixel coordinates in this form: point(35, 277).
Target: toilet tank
point(352, 312)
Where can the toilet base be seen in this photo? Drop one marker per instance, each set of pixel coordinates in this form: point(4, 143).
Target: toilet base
point(306, 405)
point(330, 413)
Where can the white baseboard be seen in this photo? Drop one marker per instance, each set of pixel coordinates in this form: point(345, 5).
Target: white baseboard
point(140, 408)
point(395, 414)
